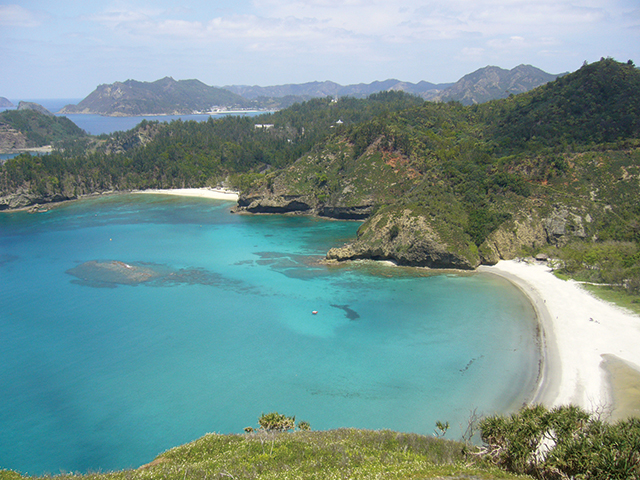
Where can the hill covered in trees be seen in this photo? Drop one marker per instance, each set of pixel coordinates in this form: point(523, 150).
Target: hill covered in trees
point(439, 184)
point(31, 126)
point(164, 96)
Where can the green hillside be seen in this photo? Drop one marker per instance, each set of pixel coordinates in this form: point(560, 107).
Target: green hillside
point(340, 454)
point(164, 96)
point(39, 129)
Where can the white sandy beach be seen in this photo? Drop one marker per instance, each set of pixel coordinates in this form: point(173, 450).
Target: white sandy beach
point(584, 338)
point(214, 193)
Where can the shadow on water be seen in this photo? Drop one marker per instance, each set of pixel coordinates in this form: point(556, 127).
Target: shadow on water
point(349, 313)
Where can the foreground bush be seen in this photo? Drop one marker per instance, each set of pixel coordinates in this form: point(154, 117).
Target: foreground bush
point(562, 443)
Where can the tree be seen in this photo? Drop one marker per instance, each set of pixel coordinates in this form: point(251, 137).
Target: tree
point(277, 422)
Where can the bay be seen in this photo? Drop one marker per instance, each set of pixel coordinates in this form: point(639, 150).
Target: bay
point(207, 322)
point(100, 124)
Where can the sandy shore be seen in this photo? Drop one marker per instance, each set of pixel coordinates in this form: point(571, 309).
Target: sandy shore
point(215, 193)
point(591, 348)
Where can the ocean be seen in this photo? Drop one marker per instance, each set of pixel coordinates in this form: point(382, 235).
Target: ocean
point(98, 124)
point(130, 324)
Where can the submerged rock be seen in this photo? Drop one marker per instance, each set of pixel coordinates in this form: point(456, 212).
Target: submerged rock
point(112, 273)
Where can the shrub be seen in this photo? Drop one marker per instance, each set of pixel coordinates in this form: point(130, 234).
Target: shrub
point(277, 422)
point(565, 442)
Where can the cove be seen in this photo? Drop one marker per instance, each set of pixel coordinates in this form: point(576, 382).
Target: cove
point(130, 324)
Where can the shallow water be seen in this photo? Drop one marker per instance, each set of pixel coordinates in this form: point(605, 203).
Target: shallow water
point(207, 322)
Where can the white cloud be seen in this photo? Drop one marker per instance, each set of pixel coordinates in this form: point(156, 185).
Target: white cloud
point(17, 16)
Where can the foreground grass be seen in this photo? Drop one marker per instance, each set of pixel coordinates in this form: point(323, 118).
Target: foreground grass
point(616, 296)
point(334, 454)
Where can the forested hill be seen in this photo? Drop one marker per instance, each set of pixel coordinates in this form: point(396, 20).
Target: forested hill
point(440, 185)
point(30, 127)
point(164, 96)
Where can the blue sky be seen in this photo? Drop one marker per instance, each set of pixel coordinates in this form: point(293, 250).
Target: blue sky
point(64, 49)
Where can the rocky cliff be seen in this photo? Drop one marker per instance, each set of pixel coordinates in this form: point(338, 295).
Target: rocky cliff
point(12, 140)
point(408, 237)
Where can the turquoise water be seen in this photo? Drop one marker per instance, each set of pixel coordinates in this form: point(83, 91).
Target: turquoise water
point(101, 372)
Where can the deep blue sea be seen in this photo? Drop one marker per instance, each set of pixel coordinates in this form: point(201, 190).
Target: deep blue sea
point(103, 372)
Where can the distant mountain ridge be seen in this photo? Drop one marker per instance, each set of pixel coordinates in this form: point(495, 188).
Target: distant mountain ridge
point(488, 83)
point(170, 97)
point(492, 83)
point(6, 103)
point(327, 88)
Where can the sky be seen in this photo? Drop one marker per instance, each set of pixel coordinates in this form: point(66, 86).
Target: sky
point(65, 49)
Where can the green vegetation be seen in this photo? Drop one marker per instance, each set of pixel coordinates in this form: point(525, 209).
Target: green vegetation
point(565, 442)
point(190, 154)
point(162, 96)
point(334, 454)
point(42, 129)
point(277, 422)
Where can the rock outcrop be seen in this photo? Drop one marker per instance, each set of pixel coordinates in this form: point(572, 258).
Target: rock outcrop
point(409, 238)
point(36, 107)
point(300, 204)
point(416, 239)
point(512, 237)
point(24, 198)
point(12, 140)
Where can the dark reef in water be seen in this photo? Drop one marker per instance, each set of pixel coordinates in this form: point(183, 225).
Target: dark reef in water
point(111, 273)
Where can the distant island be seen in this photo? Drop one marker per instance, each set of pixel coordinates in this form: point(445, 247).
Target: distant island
point(179, 97)
point(5, 103)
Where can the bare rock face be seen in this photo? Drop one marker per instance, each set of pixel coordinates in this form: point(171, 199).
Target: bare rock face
point(300, 204)
point(512, 237)
point(24, 198)
point(407, 238)
point(563, 224)
point(11, 140)
point(36, 107)
point(529, 231)
point(275, 204)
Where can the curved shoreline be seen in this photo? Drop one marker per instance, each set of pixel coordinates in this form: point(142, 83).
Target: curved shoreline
point(579, 333)
point(213, 193)
point(204, 192)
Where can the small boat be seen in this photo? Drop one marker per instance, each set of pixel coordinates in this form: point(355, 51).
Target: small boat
point(315, 312)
